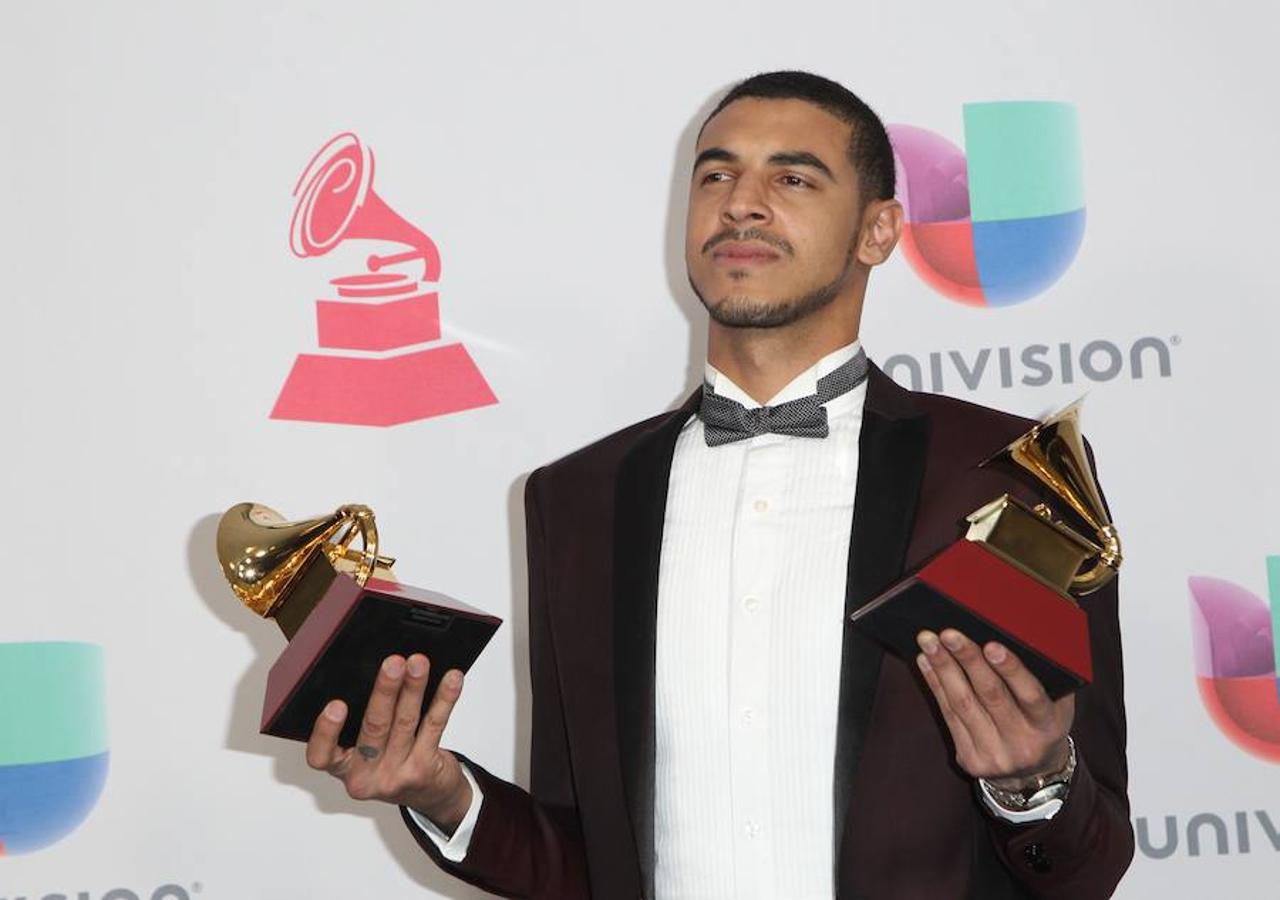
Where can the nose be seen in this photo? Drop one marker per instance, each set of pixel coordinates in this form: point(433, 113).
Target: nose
point(745, 204)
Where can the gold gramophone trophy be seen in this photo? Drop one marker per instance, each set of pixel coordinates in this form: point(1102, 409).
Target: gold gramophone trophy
point(1014, 575)
point(341, 610)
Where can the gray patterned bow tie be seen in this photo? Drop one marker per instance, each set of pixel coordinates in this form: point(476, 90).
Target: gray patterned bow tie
point(728, 420)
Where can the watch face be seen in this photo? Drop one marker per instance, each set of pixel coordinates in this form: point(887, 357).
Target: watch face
point(1055, 791)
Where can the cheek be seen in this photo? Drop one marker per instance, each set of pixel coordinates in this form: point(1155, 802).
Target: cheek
point(701, 224)
point(702, 210)
point(822, 239)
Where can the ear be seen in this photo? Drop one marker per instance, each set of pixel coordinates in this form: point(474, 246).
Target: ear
point(881, 228)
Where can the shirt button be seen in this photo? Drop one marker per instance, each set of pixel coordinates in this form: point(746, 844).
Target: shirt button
point(751, 828)
point(760, 506)
point(751, 604)
point(748, 715)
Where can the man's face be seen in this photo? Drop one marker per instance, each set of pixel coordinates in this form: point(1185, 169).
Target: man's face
point(773, 212)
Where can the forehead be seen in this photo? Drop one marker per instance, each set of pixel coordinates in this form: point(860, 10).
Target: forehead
point(753, 125)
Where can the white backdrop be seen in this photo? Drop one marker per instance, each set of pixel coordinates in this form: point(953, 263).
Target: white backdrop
point(152, 310)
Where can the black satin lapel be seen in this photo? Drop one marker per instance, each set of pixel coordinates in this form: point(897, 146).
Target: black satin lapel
point(890, 468)
point(641, 502)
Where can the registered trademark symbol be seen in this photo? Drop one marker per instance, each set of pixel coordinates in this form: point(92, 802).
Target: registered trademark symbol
point(1175, 340)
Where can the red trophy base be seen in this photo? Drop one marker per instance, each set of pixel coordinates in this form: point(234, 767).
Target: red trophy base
point(969, 588)
point(338, 648)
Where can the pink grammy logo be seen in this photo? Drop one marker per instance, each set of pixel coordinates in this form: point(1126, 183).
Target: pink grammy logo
point(382, 310)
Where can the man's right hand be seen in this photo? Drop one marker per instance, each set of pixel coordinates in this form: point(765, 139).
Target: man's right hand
point(394, 759)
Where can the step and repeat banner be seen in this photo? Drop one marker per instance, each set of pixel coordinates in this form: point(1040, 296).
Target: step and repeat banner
point(401, 254)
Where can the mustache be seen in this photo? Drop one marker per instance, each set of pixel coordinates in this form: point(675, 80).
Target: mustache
point(749, 234)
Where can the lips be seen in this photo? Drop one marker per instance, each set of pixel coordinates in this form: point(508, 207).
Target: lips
point(744, 253)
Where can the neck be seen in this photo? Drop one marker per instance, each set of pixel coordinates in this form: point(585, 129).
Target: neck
point(762, 361)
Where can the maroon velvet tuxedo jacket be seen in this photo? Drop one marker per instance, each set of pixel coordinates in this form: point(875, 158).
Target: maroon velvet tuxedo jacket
point(908, 821)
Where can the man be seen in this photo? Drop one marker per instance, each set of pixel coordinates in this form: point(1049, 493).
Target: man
point(705, 723)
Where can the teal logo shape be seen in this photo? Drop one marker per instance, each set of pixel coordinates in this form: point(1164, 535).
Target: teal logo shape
point(53, 741)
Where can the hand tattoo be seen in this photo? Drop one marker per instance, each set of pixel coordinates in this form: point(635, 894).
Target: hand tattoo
point(368, 752)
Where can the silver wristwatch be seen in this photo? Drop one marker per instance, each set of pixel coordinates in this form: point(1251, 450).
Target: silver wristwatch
point(1038, 790)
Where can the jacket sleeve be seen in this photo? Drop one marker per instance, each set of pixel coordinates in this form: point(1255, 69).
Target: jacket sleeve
point(528, 843)
point(1082, 852)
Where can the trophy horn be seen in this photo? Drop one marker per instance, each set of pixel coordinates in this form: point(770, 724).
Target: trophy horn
point(1053, 454)
point(262, 553)
point(336, 202)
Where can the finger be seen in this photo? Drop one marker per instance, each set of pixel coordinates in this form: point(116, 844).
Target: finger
point(954, 723)
point(438, 712)
point(404, 726)
point(341, 763)
point(376, 726)
point(322, 746)
point(960, 736)
point(1024, 687)
point(988, 686)
point(958, 691)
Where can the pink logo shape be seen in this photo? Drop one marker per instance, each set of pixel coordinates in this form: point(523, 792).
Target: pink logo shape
point(1235, 664)
point(383, 309)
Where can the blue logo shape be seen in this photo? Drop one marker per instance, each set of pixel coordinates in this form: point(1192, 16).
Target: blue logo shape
point(53, 747)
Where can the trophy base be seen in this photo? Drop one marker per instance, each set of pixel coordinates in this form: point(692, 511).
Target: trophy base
point(969, 588)
point(337, 651)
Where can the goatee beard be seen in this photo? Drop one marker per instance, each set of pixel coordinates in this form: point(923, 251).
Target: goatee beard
point(743, 312)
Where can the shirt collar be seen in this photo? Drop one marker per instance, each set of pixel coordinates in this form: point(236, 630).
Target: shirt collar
point(803, 385)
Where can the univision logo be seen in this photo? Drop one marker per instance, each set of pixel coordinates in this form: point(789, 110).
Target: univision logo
point(1033, 365)
point(53, 747)
point(1207, 832)
point(1001, 225)
point(1233, 633)
point(163, 892)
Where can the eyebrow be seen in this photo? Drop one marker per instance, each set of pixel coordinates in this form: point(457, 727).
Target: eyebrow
point(782, 158)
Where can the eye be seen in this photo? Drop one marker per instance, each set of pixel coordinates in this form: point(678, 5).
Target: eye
point(795, 181)
point(714, 177)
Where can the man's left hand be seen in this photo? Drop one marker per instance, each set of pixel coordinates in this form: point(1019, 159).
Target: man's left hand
point(1003, 724)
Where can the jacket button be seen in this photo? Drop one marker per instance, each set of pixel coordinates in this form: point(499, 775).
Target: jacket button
point(1036, 858)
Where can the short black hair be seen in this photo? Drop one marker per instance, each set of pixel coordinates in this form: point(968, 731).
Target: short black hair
point(869, 147)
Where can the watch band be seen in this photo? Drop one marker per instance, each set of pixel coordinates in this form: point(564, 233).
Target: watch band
point(1038, 790)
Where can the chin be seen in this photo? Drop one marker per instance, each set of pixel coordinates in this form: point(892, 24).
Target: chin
point(749, 287)
point(750, 312)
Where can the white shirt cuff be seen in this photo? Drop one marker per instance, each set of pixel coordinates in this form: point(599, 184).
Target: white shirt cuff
point(1041, 813)
point(453, 848)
